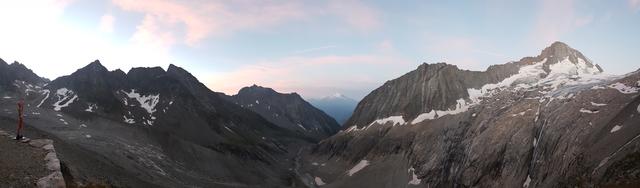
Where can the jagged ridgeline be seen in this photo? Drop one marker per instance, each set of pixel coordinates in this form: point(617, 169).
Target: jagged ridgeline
point(155, 128)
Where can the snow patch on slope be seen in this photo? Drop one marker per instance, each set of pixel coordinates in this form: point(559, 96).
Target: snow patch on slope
point(63, 95)
point(414, 178)
point(128, 120)
point(358, 167)
point(319, 181)
point(624, 89)
point(588, 111)
point(91, 107)
point(615, 128)
point(597, 104)
point(424, 116)
point(393, 119)
point(148, 102)
point(302, 127)
point(46, 91)
point(527, 182)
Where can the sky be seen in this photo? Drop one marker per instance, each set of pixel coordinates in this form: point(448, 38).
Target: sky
point(315, 48)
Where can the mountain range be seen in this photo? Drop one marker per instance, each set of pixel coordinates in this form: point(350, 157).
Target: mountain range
point(153, 128)
point(552, 120)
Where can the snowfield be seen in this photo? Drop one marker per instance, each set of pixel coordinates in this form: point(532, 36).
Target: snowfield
point(563, 73)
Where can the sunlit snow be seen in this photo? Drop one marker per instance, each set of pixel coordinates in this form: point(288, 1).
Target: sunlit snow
point(597, 104)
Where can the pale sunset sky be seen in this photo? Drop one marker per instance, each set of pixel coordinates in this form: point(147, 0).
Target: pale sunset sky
point(315, 48)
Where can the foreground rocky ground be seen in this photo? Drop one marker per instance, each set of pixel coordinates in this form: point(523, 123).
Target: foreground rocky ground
point(29, 163)
point(21, 165)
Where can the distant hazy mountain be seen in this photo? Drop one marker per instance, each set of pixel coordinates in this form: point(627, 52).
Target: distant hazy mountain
point(338, 106)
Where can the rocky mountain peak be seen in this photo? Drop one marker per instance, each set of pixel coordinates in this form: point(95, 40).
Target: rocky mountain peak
point(256, 90)
point(180, 74)
point(566, 60)
point(93, 69)
point(559, 49)
point(18, 65)
point(287, 110)
point(17, 71)
point(96, 66)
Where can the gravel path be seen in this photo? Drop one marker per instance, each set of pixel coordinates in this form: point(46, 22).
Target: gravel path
point(21, 164)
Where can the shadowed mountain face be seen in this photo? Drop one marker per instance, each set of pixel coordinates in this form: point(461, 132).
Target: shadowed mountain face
point(164, 126)
point(337, 106)
point(288, 111)
point(16, 71)
point(544, 121)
